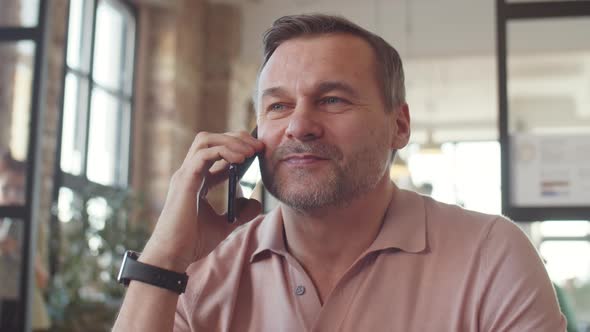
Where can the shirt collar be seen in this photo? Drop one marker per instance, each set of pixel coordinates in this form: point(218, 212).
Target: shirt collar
point(403, 228)
point(404, 225)
point(270, 235)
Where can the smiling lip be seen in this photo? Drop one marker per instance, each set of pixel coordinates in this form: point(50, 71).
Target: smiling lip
point(302, 159)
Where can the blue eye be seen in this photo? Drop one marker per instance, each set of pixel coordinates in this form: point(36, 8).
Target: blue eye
point(332, 100)
point(276, 107)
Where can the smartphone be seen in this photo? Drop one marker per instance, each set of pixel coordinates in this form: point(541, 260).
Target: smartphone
point(236, 172)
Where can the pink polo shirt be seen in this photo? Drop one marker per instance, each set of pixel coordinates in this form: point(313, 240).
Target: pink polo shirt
point(432, 267)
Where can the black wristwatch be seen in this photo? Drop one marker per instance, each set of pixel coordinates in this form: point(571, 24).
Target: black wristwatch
point(131, 269)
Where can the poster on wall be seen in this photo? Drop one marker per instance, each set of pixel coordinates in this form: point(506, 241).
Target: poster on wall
point(550, 171)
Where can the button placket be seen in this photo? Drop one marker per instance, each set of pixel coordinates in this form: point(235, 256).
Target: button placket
point(304, 297)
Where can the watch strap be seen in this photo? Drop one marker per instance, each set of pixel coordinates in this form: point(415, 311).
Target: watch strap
point(132, 269)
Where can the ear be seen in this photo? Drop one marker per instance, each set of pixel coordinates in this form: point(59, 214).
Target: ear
point(401, 126)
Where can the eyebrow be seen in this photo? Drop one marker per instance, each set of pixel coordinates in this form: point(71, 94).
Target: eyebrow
point(320, 89)
point(273, 92)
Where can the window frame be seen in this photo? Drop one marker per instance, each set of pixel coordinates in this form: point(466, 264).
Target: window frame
point(506, 12)
point(27, 212)
point(78, 183)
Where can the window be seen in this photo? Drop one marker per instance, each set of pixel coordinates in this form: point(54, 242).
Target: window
point(97, 105)
point(22, 31)
point(466, 173)
point(92, 172)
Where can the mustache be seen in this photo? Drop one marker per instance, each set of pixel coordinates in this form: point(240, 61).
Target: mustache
point(321, 150)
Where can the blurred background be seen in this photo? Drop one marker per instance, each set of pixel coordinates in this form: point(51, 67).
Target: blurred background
point(100, 100)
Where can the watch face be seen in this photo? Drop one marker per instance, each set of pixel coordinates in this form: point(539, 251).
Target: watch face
point(128, 255)
point(120, 275)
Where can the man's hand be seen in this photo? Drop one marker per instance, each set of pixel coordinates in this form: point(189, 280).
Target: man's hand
point(189, 228)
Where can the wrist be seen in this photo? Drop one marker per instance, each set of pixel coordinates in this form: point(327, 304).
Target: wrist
point(134, 270)
point(164, 260)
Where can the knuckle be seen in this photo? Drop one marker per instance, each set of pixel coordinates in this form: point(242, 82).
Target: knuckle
point(201, 136)
point(199, 154)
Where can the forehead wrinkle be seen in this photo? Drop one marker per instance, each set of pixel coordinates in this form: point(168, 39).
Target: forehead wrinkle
point(329, 86)
point(316, 89)
point(276, 91)
point(300, 53)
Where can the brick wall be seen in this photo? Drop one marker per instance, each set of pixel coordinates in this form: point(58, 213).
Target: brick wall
point(53, 92)
point(189, 79)
point(186, 84)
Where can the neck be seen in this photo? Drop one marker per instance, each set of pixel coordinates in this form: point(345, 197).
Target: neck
point(334, 237)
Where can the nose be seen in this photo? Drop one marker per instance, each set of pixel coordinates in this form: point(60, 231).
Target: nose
point(304, 125)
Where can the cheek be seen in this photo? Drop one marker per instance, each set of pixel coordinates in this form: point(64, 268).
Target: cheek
point(270, 134)
point(366, 138)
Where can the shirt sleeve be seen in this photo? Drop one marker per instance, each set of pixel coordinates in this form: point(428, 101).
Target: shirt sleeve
point(181, 323)
point(516, 293)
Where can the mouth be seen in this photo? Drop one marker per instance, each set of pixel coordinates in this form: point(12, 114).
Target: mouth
point(302, 159)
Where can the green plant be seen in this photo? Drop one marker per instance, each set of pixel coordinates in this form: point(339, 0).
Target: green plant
point(84, 294)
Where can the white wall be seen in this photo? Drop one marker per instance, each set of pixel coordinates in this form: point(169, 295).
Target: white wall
point(449, 51)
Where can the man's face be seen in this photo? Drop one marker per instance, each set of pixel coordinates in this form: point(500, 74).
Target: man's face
point(322, 118)
point(12, 188)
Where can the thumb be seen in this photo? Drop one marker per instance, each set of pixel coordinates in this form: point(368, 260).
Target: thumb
point(247, 209)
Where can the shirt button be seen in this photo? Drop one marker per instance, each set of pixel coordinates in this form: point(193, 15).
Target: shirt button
point(300, 290)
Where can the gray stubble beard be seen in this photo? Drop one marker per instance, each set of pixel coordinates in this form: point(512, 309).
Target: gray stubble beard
point(341, 186)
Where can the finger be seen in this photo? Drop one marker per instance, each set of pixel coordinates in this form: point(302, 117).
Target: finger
point(204, 140)
point(246, 136)
point(234, 141)
point(220, 166)
point(217, 174)
point(204, 159)
point(239, 142)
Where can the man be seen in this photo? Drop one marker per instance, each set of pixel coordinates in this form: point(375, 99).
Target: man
point(346, 250)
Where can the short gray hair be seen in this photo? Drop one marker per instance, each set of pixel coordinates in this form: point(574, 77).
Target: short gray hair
point(390, 72)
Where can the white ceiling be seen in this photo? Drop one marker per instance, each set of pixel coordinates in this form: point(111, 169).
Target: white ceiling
point(449, 49)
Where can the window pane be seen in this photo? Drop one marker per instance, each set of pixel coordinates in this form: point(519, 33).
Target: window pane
point(109, 46)
point(549, 111)
point(123, 146)
point(16, 77)
point(129, 54)
point(565, 228)
point(567, 260)
point(74, 124)
point(69, 205)
point(467, 174)
point(19, 13)
point(79, 30)
point(568, 264)
point(104, 140)
point(477, 170)
point(11, 242)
